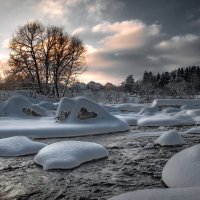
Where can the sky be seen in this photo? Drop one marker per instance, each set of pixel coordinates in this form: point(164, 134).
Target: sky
point(122, 37)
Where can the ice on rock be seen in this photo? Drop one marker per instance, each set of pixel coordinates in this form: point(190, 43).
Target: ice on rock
point(69, 154)
point(183, 169)
point(169, 138)
point(18, 146)
point(161, 194)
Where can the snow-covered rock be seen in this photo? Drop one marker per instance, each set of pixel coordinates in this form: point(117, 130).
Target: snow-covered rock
point(18, 146)
point(169, 138)
point(183, 169)
point(194, 130)
point(131, 107)
point(175, 102)
point(166, 119)
point(82, 110)
point(161, 194)
point(69, 154)
point(20, 106)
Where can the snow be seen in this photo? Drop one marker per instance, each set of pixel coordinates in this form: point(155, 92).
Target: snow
point(183, 169)
point(194, 130)
point(20, 106)
point(75, 117)
point(171, 102)
point(19, 146)
point(161, 194)
point(69, 154)
point(131, 107)
point(170, 138)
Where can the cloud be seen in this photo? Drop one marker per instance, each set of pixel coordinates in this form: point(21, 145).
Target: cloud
point(131, 47)
point(127, 34)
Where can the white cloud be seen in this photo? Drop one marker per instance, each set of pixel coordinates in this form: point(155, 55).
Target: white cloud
point(127, 34)
point(52, 8)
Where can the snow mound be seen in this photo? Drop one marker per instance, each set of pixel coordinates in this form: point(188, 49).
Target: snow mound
point(69, 154)
point(183, 169)
point(131, 107)
point(161, 194)
point(18, 146)
point(176, 102)
point(170, 138)
point(20, 106)
point(194, 130)
point(85, 111)
point(166, 119)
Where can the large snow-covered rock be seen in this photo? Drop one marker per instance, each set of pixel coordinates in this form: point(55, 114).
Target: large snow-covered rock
point(69, 154)
point(75, 117)
point(161, 194)
point(20, 106)
point(18, 146)
point(183, 169)
point(85, 111)
point(170, 138)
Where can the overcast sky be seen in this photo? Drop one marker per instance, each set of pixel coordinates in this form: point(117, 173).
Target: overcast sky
point(122, 36)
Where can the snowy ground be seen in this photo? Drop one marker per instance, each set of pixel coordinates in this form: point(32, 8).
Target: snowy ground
point(128, 167)
point(128, 159)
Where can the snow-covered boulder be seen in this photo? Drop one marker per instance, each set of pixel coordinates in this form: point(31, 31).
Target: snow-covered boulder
point(20, 106)
point(69, 154)
point(18, 146)
point(183, 169)
point(169, 138)
point(166, 119)
point(85, 111)
point(194, 130)
point(131, 107)
point(161, 194)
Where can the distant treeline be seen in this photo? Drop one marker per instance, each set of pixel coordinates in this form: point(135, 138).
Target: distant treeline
point(180, 83)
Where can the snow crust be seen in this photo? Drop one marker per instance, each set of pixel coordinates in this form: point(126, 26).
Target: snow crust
point(18, 146)
point(183, 169)
point(69, 154)
point(161, 194)
point(170, 138)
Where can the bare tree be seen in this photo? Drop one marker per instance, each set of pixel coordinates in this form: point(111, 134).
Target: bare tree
point(46, 55)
